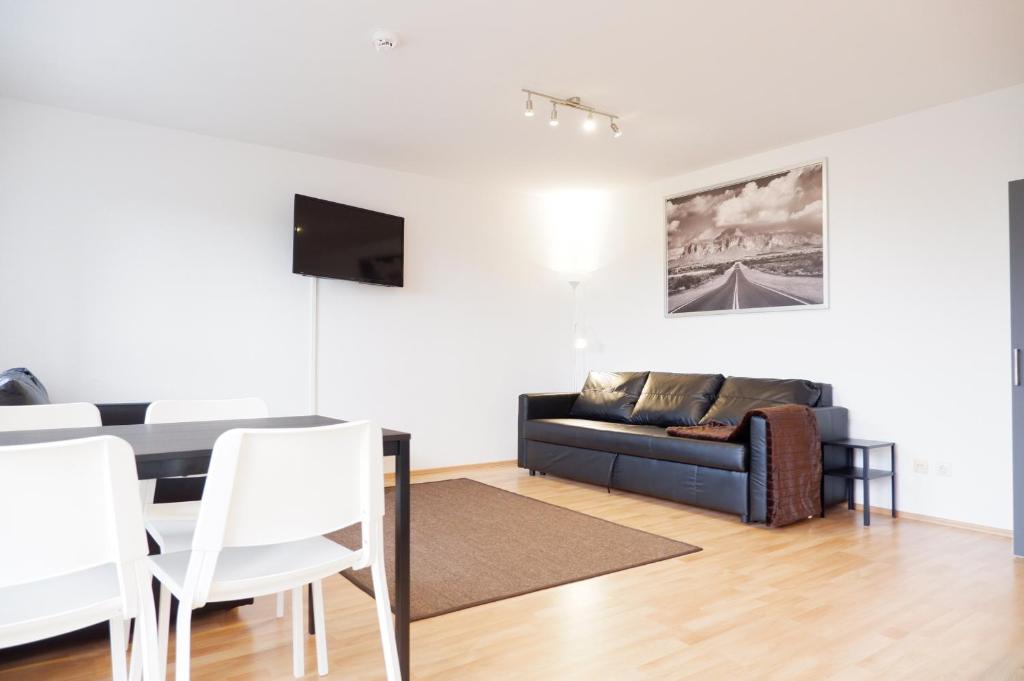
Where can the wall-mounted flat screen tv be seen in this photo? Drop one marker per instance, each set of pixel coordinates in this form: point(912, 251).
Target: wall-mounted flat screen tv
point(336, 241)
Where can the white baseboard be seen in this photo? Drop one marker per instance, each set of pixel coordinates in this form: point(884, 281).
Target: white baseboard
point(880, 510)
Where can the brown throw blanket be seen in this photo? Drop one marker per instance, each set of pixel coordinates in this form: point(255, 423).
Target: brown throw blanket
point(794, 458)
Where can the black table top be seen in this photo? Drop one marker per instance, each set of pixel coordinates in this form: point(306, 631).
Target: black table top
point(160, 441)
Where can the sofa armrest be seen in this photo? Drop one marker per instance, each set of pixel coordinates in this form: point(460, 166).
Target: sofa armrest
point(541, 406)
point(833, 424)
point(546, 405)
point(123, 413)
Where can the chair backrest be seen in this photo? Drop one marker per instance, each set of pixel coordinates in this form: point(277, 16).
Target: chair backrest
point(68, 506)
point(269, 486)
point(49, 416)
point(176, 411)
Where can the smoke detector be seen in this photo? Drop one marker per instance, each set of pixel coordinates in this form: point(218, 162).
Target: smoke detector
point(385, 41)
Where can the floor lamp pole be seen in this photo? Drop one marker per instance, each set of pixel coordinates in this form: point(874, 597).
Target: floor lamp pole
point(574, 383)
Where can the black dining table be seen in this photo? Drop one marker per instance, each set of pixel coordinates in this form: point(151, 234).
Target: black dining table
point(165, 450)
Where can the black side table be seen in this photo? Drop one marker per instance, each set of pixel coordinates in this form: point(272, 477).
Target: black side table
point(850, 472)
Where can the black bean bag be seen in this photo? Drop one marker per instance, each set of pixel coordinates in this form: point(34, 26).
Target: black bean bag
point(20, 386)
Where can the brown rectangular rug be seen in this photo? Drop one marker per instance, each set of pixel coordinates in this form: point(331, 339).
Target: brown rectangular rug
point(473, 543)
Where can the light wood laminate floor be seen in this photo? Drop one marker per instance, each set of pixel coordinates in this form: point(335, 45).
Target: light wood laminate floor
point(824, 599)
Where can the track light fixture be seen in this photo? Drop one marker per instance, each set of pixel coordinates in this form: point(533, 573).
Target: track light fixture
point(589, 123)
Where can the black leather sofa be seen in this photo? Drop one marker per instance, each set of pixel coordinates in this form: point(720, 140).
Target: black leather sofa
point(612, 434)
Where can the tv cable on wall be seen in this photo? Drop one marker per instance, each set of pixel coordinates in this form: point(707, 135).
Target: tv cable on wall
point(334, 241)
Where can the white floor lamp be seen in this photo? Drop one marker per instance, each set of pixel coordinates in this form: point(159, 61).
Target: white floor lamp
point(579, 341)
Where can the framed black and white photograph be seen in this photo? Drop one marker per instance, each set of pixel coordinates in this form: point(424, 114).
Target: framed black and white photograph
point(754, 244)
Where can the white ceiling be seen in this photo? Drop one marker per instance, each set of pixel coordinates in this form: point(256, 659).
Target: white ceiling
point(696, 82)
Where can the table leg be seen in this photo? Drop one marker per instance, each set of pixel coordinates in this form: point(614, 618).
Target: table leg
point(892, 464)
point(822, 492)
point(867, 487)
point(849, 483)
point(310, 622)
point(402, 556)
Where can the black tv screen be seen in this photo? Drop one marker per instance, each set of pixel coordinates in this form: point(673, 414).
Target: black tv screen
point(336, 241)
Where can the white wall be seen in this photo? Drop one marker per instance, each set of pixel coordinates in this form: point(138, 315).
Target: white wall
point(916, 340)
point(139, 262)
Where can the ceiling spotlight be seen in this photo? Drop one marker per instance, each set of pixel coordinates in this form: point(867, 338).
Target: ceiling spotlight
point(590, 125)
point(554, 115)
point(529, 105)
point(616, 130)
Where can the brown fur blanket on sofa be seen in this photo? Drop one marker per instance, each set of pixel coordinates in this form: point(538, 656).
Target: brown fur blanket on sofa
point(794, 458)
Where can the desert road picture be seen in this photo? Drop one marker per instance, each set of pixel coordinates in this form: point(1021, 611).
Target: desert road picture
point(755, 244)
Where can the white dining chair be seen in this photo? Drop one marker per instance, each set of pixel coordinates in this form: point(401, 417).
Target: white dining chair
point(177, 411)
point(270, 496)
point(49, 416)
point(74, 547)
point(171, 525)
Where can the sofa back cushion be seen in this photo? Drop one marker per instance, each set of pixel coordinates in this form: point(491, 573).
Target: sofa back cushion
point(609, 395)
point(739, 395)
point(676, 399)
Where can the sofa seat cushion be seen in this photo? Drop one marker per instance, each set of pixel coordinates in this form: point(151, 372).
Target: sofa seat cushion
point(609, 395)
point(645, 441)
point(740, 395)
point(676, 399)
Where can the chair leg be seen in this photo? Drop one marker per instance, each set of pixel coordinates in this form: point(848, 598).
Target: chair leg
point(153, 667)
point(384, 620)
point(118, 660)
point(298, 644)
point(164, 628)
point(183, 643)
point(143, 657)
point(135, 668)
point(321, 630)
point(280, 604)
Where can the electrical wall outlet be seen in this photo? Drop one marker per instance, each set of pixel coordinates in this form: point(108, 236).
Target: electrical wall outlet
point(945, 469)
point(921, 466)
